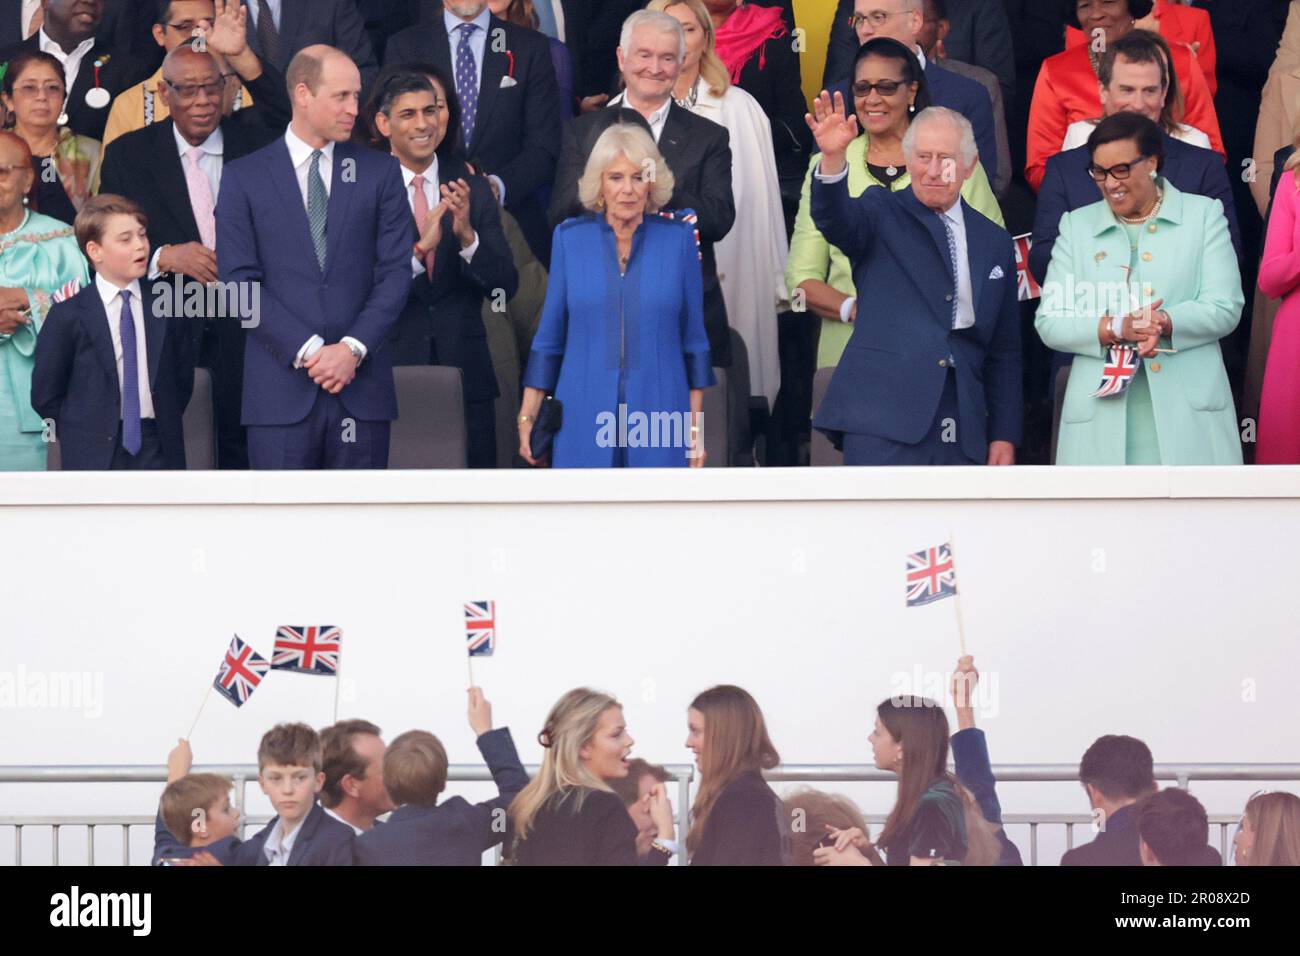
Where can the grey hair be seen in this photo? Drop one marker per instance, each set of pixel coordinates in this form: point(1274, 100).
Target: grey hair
point(933, 114)
point(662, 22)
point(630, 140)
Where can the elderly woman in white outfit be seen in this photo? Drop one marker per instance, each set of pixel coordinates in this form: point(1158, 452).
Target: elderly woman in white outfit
point(751, 259)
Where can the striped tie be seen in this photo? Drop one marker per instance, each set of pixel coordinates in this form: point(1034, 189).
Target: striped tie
point(317, 206)
point(268, 37)
point(952, 261)
point(130, 377)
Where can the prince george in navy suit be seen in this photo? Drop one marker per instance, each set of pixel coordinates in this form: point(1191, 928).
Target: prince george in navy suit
point(931, 375)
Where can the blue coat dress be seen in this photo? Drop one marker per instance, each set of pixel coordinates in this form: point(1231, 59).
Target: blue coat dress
point(608, 340)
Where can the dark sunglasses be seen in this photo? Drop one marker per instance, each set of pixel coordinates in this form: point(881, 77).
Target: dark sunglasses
point(883, 87)
point(1120, 171)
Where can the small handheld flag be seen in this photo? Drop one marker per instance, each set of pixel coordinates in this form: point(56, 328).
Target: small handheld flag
point(480, 628)
point(242, 669)
point(931, 575)
point(67, 291)
point(307, 650)
point(1118, 372)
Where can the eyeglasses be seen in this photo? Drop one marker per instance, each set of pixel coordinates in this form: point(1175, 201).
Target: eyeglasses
point(1119, 171)
point(190, 91)
point(32, 90)
point(877, 18)
point(883, 87)
point(7, 172)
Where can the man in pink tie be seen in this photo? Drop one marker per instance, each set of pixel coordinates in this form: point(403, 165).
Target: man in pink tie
point(173, 170)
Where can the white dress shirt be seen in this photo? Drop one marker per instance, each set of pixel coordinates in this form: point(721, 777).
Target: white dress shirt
point(477, 40)
point(278, 846)
point(300, 157)
point(956, 220)
point(29, 10)
point(210, 164)
point(431, 197)
point(558, 7)
point(355, 829)
point(108, 294)
point(657, 119)
point(71, 61)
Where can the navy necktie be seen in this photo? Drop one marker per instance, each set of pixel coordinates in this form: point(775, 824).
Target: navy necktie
point(130, 376)
point(317, 206)
point(466, 82)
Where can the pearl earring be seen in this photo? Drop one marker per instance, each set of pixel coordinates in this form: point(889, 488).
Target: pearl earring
point(911, 107)
point(1153, 174)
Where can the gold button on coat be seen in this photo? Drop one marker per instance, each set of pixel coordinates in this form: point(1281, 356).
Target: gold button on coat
point(1146, 257)
point(1155, 366)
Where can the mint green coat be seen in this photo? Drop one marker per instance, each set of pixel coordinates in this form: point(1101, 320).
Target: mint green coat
point(1185, 256)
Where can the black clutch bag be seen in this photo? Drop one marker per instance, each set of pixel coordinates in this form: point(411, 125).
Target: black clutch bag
point(549, 419)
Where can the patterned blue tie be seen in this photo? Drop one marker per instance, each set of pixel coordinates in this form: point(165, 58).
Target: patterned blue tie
point(130, 377)
point(317, 205)
point(952, 261)
point(466, 82)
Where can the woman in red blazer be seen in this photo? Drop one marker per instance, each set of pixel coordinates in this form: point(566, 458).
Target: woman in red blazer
point(1067, 89)
point(1180, 26)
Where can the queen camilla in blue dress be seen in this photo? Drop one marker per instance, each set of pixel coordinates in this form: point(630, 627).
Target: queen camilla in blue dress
point(621, 342)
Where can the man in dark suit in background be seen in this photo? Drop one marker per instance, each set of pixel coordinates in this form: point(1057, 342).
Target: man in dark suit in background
point(467, 259)
point(173, 170)
point(697, 151)
point(321, 227)
point(935, 377)
point(509, 102)
point(384, 18)
point(68, 34)
point(1116, 772)
point(19, 19)
point(296, 24)
point(903, 21)
point(978, 34)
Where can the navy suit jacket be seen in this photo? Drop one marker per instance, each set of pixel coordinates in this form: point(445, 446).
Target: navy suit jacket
point(447, 309)
point(957, 93)
point(970, 757)
point(167, 846)
point(892, 374)
point(321, 841)
point(263, 236)
point(75, 379)
point(337, 23)
point(516, 126)
point(1067, 186)
point(455, 832)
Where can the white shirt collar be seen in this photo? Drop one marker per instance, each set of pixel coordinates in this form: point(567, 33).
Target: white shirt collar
point(920, 55)
point(109, 292)
point(355, 829)
point(451, 21)
point(955, 214)
point(213, 145)
point(278, 843)
point(430, 175)
point(655, 118)
point(300, 152)
point(48, 45)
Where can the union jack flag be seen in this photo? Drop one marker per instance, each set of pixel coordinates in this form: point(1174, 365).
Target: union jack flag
point(687, 216)
point(242, 669)
point(69, 289)
point(307, 650)
point(931, 575)
point(480, 628)
point(1117, 374)
point(1026, 285)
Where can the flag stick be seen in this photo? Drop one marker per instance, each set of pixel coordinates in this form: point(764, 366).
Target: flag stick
point(470, 658)
point(206, 695)
point(961, 629)
point(338, 681)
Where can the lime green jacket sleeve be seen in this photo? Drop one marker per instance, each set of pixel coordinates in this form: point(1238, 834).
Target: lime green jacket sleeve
point(979, 195)
point(810, 253)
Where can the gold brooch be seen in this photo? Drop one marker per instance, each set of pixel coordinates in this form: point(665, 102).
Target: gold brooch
point(1099, 256)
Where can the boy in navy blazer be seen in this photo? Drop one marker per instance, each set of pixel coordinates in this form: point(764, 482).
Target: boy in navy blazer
point(194, 815)
point(422, 832)
point(302, 833)
point(116, 390)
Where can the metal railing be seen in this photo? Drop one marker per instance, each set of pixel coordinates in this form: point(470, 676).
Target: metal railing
point(682, 774)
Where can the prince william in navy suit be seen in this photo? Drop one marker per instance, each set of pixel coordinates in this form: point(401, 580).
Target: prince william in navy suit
point(322, 227)
point(931, 374)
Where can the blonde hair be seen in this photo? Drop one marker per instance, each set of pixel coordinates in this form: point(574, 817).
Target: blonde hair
point(570, 726)
point(712, 70)
point(1275, 818)
point(630, 140)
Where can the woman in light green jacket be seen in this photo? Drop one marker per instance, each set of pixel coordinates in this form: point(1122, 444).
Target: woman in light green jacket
point(1153, 269)
point(888, 90)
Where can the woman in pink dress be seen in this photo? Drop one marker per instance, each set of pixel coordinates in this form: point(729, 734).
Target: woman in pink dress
point(1278, 438)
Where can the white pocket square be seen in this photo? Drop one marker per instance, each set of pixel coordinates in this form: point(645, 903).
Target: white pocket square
point(996, 273)
point(508, 81)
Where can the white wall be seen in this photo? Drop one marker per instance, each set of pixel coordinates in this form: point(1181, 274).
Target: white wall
point(1161, 605)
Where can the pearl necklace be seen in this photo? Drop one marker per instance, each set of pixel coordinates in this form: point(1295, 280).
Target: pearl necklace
point(1139, 220)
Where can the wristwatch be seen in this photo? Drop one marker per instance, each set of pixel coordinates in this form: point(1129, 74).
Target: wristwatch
point(355, 350)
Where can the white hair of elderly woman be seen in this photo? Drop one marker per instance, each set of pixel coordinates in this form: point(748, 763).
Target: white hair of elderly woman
point(935, 114)
point(662, 22)
point(630, 140)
